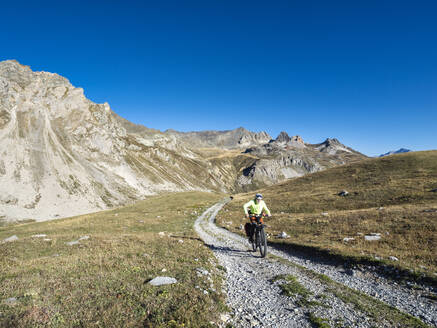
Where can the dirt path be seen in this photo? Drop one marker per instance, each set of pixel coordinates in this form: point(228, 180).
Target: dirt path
point(257, 299)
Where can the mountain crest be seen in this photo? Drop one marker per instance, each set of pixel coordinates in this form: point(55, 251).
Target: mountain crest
point(283, 137)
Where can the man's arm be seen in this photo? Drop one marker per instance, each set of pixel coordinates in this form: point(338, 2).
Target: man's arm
point(246, 207)
point(267, 210)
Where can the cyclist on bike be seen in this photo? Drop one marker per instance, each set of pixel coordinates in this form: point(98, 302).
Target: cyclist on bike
point(253, 208)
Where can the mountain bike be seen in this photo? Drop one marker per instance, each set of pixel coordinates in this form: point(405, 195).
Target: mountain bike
point(260, 238)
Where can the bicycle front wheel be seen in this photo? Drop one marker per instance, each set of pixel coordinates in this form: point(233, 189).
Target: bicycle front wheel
point(262, 243)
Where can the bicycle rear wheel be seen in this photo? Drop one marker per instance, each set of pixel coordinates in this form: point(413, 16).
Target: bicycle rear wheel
point(262, 243)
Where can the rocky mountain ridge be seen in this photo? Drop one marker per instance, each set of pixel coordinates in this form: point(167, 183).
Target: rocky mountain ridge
point(62, 155)
point(393, 152)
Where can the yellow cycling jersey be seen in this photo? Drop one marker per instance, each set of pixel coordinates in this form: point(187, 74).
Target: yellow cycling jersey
point(255, 208)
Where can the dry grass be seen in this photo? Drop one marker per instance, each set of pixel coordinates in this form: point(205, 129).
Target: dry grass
point(102, 282)
point(401, 184)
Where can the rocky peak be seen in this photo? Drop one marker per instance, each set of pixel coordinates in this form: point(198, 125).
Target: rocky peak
point(283, 137)
point(333, 146)
point(297, 139)
point(331, 142)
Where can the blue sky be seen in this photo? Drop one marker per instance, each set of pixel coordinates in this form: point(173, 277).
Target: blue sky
point(364, 72)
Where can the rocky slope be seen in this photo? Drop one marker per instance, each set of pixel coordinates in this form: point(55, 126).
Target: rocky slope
point(62, 155)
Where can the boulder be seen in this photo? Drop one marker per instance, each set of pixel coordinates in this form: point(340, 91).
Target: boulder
point(373, 237)
point(10, 239)
point(343, 193)
point(393, 258)
point(158, 281)
point(283, 235)
point(11, 301)
point(202, 271)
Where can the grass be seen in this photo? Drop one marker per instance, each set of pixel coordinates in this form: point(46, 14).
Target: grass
point(317, 219)
point(102, 281)
point(292, 287)
point(317, 321)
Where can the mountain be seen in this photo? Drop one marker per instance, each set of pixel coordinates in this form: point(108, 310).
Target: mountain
point(288, 157)
point(393, 152)
point(232, 139)
point(62, 154)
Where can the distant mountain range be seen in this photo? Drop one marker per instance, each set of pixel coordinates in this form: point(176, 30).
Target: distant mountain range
point(63, 155)
point(393, 152)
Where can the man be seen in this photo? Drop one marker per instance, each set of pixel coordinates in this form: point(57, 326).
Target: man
point(253, 208)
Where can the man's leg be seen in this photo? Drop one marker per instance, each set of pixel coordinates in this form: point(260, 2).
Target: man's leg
point(251, 231)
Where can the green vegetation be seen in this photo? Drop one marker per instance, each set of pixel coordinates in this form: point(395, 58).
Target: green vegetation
point(292, 287)
point(390, 195)
point(102, 281)
point(317, 321)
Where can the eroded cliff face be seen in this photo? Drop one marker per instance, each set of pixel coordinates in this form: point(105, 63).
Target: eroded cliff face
point(63, 155)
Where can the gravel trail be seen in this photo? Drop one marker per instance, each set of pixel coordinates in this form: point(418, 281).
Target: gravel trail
point(256, 300)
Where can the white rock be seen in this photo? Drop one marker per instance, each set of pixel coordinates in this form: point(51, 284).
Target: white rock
point(84, 238)
point(47, 239)
point(346, 239)
point(203, 271)
point(180, 241)
point(283, 235)
point(39, 236)
point(372, 238)
point(158, 281)
point(11, 300)
point(224, 317)
point(71, 243)
point(325, 214)
point(161, 234)
point(10, 239)
point(164, 270)
point(393, 258)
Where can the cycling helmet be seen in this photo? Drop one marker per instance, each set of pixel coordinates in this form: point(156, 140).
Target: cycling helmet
point(259, 196)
